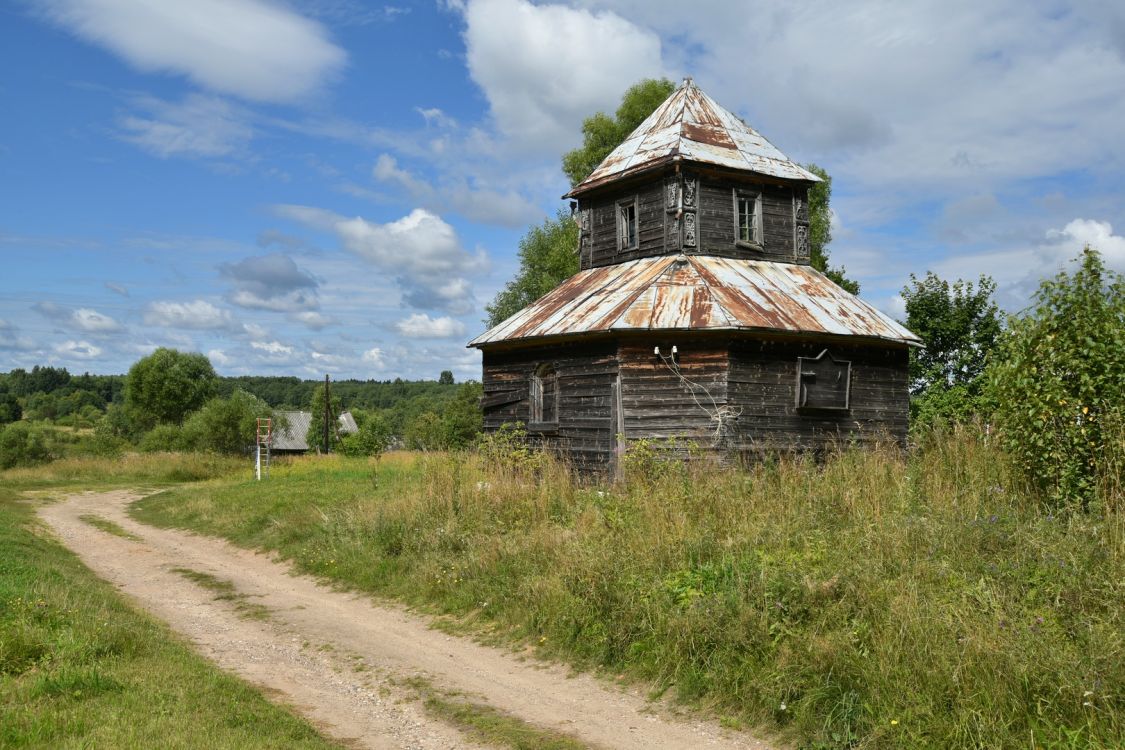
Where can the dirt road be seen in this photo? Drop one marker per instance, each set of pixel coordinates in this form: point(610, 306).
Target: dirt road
point(342, 660)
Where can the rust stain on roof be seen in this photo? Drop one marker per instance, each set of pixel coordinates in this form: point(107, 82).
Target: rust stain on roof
point(692, 126)
point(697, 293)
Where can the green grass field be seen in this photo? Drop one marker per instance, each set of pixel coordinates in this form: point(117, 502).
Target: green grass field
point(80, 668)
point(872, 601)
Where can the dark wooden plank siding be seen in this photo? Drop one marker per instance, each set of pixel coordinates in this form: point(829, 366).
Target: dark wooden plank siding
point(717, 225)
point(650, 225)
point(763, 383)
point(586, 376)
point(658, 405)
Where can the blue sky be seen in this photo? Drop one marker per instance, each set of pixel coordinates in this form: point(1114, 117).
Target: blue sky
point(339, 186)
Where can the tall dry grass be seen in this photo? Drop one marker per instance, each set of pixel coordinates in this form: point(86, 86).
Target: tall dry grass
point(868, 600)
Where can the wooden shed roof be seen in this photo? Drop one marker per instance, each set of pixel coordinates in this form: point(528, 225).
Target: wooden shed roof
point(697, 293)
point(693, 127)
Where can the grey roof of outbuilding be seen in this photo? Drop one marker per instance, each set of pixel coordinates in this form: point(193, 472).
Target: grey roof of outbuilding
point(294, 437)
point(697, 293)
point(691, 126)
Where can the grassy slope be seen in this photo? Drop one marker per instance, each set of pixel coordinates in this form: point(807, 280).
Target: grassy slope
point(81, 668)
point(870, 602)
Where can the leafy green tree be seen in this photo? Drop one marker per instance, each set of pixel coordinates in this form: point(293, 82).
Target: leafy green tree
point(548, 256)
point(226, 425)
point(820, 230)
point(315, 435)
point(959, 324)
point(22, 444)
point(10, 410)
point(463, 420)
point(167, 385)
point(602, 133)
point(446, 377)
point(374, 437)
point(1058, 384)
point(425, 433)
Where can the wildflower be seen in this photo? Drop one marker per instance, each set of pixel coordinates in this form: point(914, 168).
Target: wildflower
point(1085, 409)
point(783, 706)
point(894, 722)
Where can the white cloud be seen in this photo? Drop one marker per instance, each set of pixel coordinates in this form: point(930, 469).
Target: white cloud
point(459, 194)
point(120, 289)
point(84, 319)
point(375, 358)
point(313, 319)
point(82, 350)
point(422, 326)
point(271, 282)
point(253, 49)
point(421, 250)
point(218, 357)
point(11, 340)
point(196, 315)
point(544, 68)
point(273, 348)
point(198, 126)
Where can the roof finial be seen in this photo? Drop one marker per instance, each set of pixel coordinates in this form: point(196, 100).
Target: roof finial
point(687, 82)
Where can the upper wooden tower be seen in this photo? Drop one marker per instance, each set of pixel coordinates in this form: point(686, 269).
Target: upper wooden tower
point(694, 179)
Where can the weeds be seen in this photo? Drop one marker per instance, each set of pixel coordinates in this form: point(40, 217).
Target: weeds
point(863, 600)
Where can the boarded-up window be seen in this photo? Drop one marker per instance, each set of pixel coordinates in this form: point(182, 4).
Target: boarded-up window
point(545, 396)
point(823, 383)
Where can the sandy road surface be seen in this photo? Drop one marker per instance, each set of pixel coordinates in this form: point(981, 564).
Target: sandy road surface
point(307, 651)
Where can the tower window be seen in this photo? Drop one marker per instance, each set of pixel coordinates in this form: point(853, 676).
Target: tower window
point(545, 396)
point(627, 224)
point(747, 218)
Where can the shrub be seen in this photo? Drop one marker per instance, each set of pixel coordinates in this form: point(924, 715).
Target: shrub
point(373, 438)
point(165, 437)
point(226, 425)
point(22, 444)
point(1058, 383)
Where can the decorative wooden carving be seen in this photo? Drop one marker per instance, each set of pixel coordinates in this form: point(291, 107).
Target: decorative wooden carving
point(690, 185)
point(689, 228)
point(802, 241)
point(672, 194)
point(801, 210)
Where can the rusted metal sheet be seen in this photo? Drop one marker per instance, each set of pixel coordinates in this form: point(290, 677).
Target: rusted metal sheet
point(697, 293)
point(691, 126)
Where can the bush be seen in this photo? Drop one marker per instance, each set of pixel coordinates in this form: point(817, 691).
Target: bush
point(226, 425)
point(373, 438)
point(164, 438)
point(1058, 384)
point(22, 444)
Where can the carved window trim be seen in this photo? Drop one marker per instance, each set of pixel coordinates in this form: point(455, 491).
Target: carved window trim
point(747, 218)
point(628, 224)
point(808, 372)
point(543, 391)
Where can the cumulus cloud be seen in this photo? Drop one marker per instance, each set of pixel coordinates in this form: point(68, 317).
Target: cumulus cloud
point(271, 282)
point(253, 49)
point(421, 250)
point(198, 127)
point(218, 357)
point(11, 340)
point(375, 358)
point(313, 319)
point(422, 326)
point(195, 315)
point(80, 350)
point(84, 319)
point(543, 68)
point(458, 194)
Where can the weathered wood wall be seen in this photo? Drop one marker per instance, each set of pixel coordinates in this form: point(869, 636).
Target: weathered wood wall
point(763, 384)
point(657, 404)
point(603, 225)
point(586, 375)
point(717, 221)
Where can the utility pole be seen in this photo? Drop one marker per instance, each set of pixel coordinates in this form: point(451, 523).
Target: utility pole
point(327, 412)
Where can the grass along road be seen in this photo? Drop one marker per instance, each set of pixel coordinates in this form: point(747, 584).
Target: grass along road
point(347, 662)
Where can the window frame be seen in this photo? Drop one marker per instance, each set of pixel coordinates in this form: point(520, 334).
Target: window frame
point(737, 196)
point(619, 207)
point(803, 377)
point(536, 421)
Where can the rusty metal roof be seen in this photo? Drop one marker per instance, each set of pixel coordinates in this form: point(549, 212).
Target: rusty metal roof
point(697, 293)
point(692, 126)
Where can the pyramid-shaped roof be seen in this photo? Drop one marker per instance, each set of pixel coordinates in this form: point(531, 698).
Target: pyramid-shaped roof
point(697, 293)
point(691, 125)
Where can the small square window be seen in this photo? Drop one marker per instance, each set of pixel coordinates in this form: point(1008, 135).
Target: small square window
point(747, 218)
point(823, 383)
point(627, 224)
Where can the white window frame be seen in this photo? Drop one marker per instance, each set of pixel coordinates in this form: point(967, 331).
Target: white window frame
point(755, 241)
point(623, 240)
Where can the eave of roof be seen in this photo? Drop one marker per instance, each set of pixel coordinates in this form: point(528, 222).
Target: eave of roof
point(697, 293)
